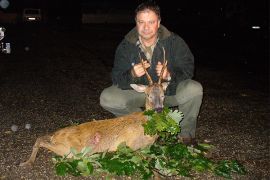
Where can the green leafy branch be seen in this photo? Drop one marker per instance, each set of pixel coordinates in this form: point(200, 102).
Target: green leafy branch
point(166, 156)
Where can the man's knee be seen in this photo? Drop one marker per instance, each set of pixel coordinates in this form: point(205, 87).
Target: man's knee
point(114, 97)
point(188, 89)
point(103, 97)
point(107, 97)
point(195, 88)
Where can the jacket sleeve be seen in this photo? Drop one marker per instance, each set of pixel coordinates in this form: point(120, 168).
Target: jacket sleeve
point(121, 72)
point(183, 61)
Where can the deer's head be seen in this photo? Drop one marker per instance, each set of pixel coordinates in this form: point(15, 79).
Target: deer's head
point(155, 92)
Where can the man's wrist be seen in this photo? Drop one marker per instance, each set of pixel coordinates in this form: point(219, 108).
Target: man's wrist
point(168, 77)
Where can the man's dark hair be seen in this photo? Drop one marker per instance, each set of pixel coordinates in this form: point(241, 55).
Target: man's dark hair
point(151, 5)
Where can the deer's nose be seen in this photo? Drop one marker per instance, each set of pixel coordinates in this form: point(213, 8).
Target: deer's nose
point(159, 109)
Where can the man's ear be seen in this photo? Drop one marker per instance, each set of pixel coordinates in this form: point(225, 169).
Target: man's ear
point(138, 87)
point(165, 85)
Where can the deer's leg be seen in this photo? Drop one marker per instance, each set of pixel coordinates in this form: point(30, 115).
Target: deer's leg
point(36, 146)
point(45, 141)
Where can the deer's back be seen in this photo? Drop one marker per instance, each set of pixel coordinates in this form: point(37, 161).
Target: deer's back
point(105, 135)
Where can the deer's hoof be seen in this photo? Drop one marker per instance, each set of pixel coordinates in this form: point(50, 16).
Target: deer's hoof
point(26, 164)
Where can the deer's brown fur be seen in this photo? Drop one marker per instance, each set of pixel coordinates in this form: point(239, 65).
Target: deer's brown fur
point(104, 135)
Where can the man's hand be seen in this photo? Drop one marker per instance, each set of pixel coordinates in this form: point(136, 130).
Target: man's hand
point(138, 70)
point(166, 73)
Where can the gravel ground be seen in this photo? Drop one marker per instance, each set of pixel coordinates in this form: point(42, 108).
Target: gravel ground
point(53, 78)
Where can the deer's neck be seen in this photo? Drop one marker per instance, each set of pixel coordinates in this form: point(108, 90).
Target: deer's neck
point(148, 105)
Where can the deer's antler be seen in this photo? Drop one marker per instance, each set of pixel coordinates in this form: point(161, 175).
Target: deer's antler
point(146, 72)
point(164, 66)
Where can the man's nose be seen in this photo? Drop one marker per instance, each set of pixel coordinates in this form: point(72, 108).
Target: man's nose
point(146, 26)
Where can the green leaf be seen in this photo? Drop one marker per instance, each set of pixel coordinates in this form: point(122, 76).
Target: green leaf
point(95, 156)
point(61, 168)
point(156, 150)
point(149, 112)
point(72, 167)
point(57, 159)
point(176, 115)
point(124, 149)
point(82, 167)
point(223, 169)
point(86, 168)
point(201, 163)
point(136, 159)
point(238, 168)
point(160, 123)
point(204, 147)
point(119, 168)
point(73, 151)
point(172, 128)
point(177, 151)
point(90, 168)
point(85, 151)
point(150, 128)
point(166, 110)
point(183, 171)
point(161, 167)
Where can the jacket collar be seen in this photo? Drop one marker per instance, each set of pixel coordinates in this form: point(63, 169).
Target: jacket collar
point(132, 36)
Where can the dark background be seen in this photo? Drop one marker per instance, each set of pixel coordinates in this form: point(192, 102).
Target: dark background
point(225, 26)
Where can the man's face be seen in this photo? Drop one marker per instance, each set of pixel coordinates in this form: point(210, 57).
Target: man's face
point(147, 23)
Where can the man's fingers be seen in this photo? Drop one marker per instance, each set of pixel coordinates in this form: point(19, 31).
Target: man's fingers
point(159, 68)
point(138, 69)
point(146, 63)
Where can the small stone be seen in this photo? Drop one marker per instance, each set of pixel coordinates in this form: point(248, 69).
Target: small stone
point(26, 48)
point(14, 128)
point(207, 140)
point(27, 126)
point(7, 132)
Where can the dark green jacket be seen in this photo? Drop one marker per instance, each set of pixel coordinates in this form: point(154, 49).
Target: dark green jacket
point(180, 60)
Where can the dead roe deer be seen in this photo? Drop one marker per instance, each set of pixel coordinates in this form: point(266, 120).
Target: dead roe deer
point(106, 135)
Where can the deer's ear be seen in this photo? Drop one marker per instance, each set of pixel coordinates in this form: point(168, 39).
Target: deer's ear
point(165, 85)
point(138, 87)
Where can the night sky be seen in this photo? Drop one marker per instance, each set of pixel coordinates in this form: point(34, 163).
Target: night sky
point(238, 13)
point(200, 20)
point(254, 7)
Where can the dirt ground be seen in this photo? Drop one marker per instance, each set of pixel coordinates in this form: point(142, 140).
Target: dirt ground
point(54, 77)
